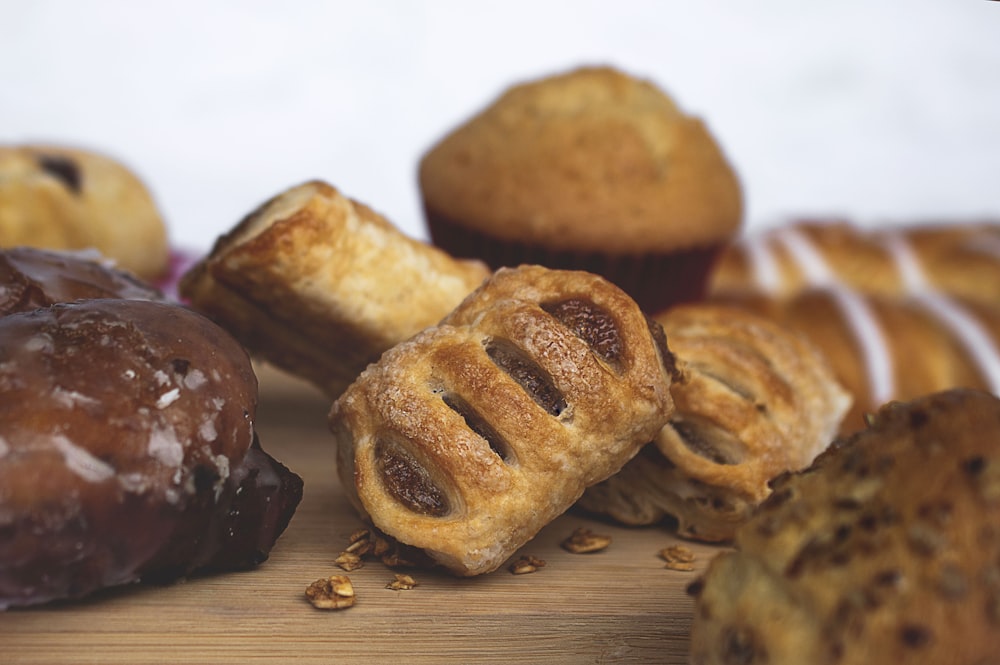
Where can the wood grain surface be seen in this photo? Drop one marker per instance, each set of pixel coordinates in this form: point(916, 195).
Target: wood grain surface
point(617, 606)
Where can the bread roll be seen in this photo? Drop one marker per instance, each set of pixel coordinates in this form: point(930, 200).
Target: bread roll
point(886, 550)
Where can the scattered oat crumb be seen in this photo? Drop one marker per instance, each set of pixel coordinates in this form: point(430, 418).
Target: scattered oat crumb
point(332, 593)
point(584, 541)
point(349, 561)
point(678, 558)
point(526, 564)
point(401, 582)
point(365, 542)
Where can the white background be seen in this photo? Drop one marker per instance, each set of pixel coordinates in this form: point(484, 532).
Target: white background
point(882, 110)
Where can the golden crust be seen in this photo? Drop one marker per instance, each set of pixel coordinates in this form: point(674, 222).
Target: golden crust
point(913, 345)
point(553, 161)
point(321, 285)
point(467, 439)
point(61, 198)
point(960, 259)
point(753, 401)
point(887, 550)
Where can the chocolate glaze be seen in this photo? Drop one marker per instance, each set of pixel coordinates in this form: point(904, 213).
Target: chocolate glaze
point(127, 451)
point(32, 278)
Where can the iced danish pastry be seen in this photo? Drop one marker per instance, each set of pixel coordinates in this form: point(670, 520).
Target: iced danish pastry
point(960, 260)
point(127, 451)
point(886, 550)
point(62, 198)
point(320, 285)
point(467, 439)
point(753, 400)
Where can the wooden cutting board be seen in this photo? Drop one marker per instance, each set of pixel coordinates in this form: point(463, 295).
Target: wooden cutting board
point(617, 606)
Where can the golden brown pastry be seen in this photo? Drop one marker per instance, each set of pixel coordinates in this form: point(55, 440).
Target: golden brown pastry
point(958, 259)
point(753, 400)
point(62, 198)
point(127, 451)
point(467, 439)
point(893, 348)
point(31, 278)
point(321, 285)
point(887, 550)
point(591, 169)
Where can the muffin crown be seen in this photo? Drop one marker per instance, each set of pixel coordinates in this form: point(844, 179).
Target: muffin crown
point(592, 159)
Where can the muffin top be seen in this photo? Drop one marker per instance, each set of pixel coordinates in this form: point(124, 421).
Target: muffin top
point(592, 159)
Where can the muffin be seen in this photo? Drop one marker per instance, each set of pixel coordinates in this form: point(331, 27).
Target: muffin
point(62, 198)
point(589, 170)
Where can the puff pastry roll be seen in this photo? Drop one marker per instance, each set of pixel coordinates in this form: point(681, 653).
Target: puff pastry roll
point(885, 349)
point(959, 259)
point(320, 285)
point(753, 401)
point(467, 439)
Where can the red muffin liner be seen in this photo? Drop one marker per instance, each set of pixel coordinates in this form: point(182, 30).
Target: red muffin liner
point(656, 281)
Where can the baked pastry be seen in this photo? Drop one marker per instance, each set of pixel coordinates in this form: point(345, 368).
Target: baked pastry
point(887, 550)
point(321, 285)
point(465, 440)
point(591, 169)
point(753, 400)
point(62, 198)
point(957, 259)
point(33, 278)
point(127, 451)
point(888, 348)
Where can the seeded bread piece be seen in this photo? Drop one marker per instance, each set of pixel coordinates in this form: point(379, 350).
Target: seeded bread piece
point(886, 550)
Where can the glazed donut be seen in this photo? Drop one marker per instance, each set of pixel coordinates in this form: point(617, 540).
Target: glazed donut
point(127, 451)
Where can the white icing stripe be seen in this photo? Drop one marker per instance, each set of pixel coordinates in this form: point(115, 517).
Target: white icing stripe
point(857, 311)
point(872, 341)
point(807, 257)
point(81, 462)
point(976, 339)
point(906, 261)
point(763, 266)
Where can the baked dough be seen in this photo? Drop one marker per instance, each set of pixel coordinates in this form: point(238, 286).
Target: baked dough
point(320, 285)
point(467, 439)
point(893, 348)
point(753, 400)
point(959, 259)
point(127, 451)
point(33, 278)
point(886, 550)
point(55, 197)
